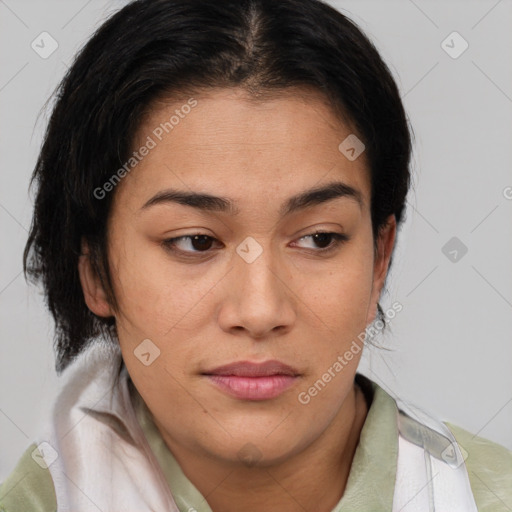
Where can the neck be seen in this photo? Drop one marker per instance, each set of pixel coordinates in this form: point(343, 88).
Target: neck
point(314, 479)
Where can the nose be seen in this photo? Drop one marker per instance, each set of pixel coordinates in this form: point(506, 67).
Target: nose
point(259, 299)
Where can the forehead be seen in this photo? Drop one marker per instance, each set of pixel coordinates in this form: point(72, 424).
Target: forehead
point(230, 142)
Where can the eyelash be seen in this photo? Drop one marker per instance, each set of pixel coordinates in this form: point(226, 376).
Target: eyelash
point(169, 244)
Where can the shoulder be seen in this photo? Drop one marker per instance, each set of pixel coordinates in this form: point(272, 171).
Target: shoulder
point(489, 468)
point(29, 486)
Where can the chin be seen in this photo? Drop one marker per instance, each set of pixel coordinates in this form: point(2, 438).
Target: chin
point(257, 449)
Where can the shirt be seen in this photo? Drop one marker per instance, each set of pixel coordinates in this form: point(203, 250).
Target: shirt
point(370, 484)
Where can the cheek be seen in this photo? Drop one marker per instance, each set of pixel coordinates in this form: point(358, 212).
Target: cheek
point(341, 295)
point(156, 295)
point(339, 303)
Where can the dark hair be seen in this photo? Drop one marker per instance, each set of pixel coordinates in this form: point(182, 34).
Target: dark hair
point(153, 49)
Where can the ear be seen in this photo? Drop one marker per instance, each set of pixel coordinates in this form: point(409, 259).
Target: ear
point(385, 243)
point(94, 293)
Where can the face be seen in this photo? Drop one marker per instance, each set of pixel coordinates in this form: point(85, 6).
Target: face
point(243, 276)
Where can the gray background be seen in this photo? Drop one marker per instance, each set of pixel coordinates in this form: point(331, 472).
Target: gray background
point(452, 349)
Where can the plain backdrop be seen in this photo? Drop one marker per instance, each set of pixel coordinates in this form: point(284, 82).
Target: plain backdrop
point(451, 343)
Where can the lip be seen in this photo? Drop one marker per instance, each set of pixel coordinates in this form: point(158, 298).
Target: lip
point(253, 381)
point(249, 369)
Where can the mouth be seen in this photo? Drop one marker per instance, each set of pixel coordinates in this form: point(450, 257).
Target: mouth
point(253, 381)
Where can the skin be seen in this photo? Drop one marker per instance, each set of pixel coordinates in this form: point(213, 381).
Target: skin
point(292, 303)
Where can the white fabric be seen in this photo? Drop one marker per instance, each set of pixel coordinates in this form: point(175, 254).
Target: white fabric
point(105, 463)
point(427, 484)
point(431, 473)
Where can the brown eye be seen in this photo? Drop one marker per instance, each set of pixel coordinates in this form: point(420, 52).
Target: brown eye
point(189, 244)
point(325, 241)
point(201, 242)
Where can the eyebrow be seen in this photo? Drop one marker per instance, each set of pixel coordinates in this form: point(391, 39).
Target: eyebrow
point(301, 201)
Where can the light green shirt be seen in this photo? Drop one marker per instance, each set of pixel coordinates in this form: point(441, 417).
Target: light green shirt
point(370, 486)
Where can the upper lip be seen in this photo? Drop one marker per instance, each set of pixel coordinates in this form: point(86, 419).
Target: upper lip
point(249, 369)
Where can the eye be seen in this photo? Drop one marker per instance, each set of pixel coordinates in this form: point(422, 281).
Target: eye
point(195, 243)
point(326, 240)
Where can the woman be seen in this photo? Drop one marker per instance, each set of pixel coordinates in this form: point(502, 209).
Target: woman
point(219, 192)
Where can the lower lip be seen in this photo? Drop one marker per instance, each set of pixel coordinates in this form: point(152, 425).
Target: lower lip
point(253, 388)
